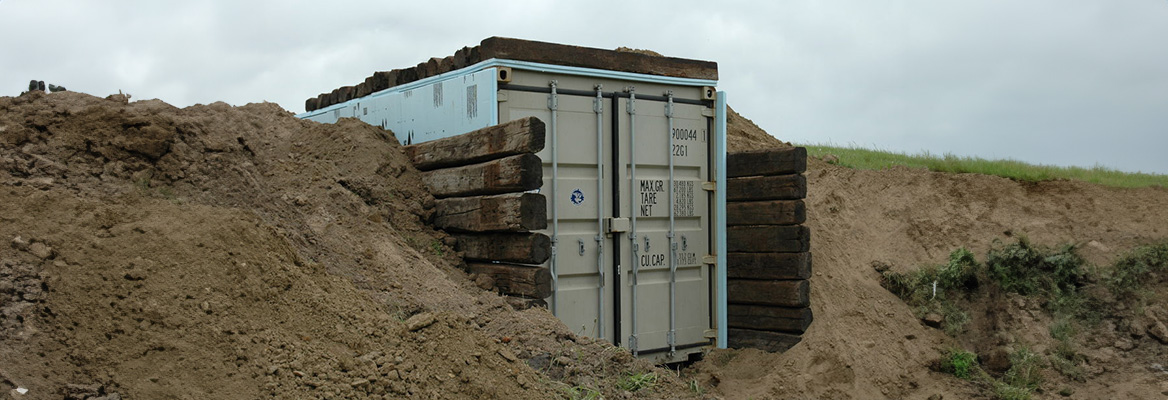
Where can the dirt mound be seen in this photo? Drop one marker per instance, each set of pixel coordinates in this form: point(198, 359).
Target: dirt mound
point(238, 252)
point(865, 342)
point(742, 134)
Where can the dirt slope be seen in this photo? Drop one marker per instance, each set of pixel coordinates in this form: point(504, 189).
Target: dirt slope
point(238, 252)
point(866, 343)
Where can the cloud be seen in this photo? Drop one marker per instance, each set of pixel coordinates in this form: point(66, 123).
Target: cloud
point(1061, 82)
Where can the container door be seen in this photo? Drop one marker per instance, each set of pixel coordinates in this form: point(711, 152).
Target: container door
point(578, 185)
point(665, 161)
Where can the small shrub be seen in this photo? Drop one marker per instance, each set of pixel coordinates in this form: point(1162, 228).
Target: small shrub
point(1026, 269)
point(955, 319)
point(1131, 272)
point(1025, 369)
point(962, 362)
point(961, 271)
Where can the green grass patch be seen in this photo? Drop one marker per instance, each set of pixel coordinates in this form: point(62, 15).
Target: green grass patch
point(962, 363)
point(875, 159)
point(639, 381)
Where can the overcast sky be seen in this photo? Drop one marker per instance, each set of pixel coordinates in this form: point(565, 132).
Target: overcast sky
point(1065, 82)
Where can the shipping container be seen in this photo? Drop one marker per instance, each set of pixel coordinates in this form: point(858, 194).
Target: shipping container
point(634, 175)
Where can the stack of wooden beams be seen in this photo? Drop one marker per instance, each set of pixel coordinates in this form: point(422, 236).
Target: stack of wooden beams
point(520, 50)
point(769, 257)
point(482, 182)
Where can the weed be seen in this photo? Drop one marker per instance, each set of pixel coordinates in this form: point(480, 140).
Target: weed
point(933, 289)
point(1026, 269)
point(696, 387)
point(955, 319)
point(1025, 369)
point(1132, 271)
point(1003, 391)
point(962, 363)
point(437, 248)
point(582, 393)
point(635, 382)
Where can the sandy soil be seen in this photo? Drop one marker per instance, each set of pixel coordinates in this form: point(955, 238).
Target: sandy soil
point(238, 252)
point(866, 343)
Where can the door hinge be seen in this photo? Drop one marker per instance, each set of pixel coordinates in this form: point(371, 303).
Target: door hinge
point(709, 112)
point(709, 259)
point(710, 186)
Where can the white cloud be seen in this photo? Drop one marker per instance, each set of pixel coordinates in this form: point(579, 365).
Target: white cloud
point(1053, 81)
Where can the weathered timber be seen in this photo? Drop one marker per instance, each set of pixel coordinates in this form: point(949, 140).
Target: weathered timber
point(559, 54)
point(770, 212)
point(777, 187)
point(764, 318)
point(791, 160)
point(768, 239)
point(384, 80)
point(523, 248)
point(517, 280)
point(512, 212)
point(311, 103)
point(525, 135)
point(516, 173)
point(768, 266)
point(769, 341)
point(769, 293)
point(576, 56)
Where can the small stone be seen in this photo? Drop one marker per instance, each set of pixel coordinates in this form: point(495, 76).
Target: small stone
point(937, 396)
point(1124, 344)
point(359, 383)
point(19, 243)
point(419, 321)
point(485, 282)
point(563, 360)
point(830, 158)
point(41, 250)
point(1158, 331)
point(370, 356)
point(298, 374)
point(507, 354)
point(275, 369)
point(933, 320)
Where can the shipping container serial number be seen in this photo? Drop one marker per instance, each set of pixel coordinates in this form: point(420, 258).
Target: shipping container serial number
point(652, 190)
point(684, 134)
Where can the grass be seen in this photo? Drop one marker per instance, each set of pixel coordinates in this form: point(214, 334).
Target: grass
point(638, 381)
point(1054, 275)
point(582, 393)
point(962, 363)
point(862, 158)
